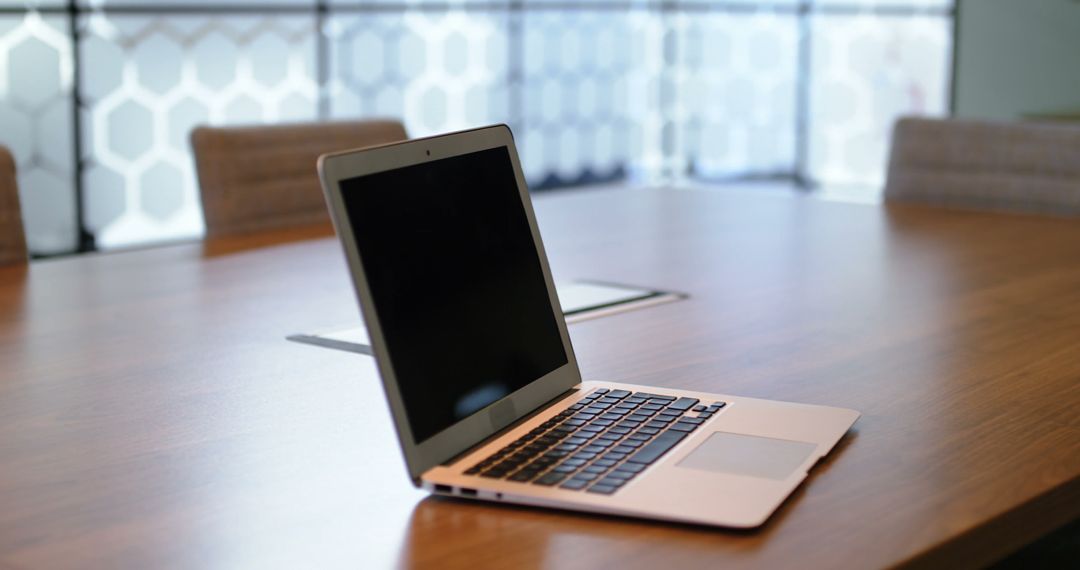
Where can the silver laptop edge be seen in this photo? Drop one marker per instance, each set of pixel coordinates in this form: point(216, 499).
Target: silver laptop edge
point(738, 478)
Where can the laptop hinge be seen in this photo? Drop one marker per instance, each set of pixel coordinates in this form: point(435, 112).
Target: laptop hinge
point(512, 425)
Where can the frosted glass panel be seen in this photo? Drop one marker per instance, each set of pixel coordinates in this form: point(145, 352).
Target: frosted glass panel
point(590, 95)
point(736, 92)
point(438, 71)
point(36, 111)
point(604, 90)
point(155, 78)
point(865, 72)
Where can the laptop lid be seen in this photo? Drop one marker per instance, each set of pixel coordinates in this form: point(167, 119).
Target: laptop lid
point(454, 285)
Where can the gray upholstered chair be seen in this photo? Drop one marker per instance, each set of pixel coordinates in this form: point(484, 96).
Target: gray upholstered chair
point(12, 238)
point(254, 178)
point(1016, 166)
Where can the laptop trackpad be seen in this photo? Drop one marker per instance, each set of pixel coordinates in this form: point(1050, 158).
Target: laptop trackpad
point(749, 455)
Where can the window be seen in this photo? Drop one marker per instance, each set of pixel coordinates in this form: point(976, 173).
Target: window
point(800, 90)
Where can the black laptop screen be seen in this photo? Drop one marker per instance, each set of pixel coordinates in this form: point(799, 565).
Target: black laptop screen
point(456, 282)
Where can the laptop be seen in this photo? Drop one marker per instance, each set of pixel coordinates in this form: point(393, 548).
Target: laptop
point(480, 375)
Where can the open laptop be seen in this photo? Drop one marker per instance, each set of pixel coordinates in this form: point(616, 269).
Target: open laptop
point(480, 375)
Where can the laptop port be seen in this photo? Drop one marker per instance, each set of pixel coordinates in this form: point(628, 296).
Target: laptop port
point(467, 492)
point(444, 489)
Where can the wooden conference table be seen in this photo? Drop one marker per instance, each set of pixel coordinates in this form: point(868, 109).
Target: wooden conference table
point(152, 414)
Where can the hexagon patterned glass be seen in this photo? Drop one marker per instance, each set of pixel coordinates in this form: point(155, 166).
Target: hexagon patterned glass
point(803, 90)
point(36, 125)
point(155, 78)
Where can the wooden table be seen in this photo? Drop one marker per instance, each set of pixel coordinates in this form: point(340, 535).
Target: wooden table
point(152, 414)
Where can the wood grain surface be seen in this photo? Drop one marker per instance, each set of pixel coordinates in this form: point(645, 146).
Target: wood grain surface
point(153, 416)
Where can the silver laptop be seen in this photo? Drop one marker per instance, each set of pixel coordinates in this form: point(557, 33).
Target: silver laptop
point(480, 375)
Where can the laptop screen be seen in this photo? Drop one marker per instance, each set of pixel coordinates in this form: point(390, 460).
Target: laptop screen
point(456, 282)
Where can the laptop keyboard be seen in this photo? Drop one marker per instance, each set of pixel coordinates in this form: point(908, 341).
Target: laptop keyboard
point(600, 443)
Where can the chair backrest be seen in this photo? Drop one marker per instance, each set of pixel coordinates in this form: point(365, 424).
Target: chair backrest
point(12, 238)
point(254, 178)
point(1016, 166)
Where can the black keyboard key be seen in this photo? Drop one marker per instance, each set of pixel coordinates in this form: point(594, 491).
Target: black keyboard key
point(602, 422)
point(577, 407)
point(597, 407)
point(524, 475)
point(592, 428)
point(572, 462)
point(649, 430)
point(618, 393)
point(655, 397)
point(639, 437)
point(618, 476)
point(587, 455)
point(564, 469)
point(657, 447)
point(651, 408)
point(635, 400)
point(608, 400)
point(619, 430)
point(566, 447)
point(550, 479)
point(683, 404)
point(615, 455)
point(597, 469)
point(574, 423)
point(596, 448)
point(604, 462)
point(689, 420)
point(656, 425)
point(585, 416)
point(705, 415)
point(632, 443)
point(603, 489)
point(631, 467)
point(623, 449)
point(494, 473)
point(613, 481)
point(629, 424)
point(574, 484)
point(575, 440)
point(600, 391)
point(666, 418)
point(585, 476)
point(699, 408)
point(601, 443)
point(681, 426)
point(637, 418)
point(608, 436)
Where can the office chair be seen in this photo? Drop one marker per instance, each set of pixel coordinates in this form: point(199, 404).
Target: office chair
point(12, 237)
point(263, 177)
point(1012, 166)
